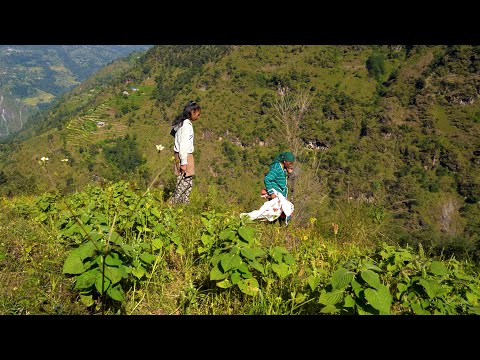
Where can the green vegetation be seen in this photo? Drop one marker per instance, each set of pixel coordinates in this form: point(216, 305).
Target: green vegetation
point(112, 250)
point(386, 141)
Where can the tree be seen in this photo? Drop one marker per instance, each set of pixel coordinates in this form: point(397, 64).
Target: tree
point(306, 192)
point(3, 178)
point(376, 65)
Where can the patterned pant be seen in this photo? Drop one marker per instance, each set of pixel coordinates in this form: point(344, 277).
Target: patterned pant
point(183, 189)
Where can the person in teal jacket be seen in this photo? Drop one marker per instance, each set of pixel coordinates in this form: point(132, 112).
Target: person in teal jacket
point(276, 177)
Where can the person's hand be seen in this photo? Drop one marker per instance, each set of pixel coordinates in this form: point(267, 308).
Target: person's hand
point(272, 196)
point(183, 168)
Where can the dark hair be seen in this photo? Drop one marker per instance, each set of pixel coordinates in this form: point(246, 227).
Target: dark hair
point(187, 112)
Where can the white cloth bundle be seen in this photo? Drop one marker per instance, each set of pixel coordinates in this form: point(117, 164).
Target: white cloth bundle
point(272, 209)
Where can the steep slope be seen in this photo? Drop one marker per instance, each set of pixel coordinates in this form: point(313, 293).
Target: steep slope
point(395, 127)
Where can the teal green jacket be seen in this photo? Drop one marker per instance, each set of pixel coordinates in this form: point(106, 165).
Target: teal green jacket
point(276, 179)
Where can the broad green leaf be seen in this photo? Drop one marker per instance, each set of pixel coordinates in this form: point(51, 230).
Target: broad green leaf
point(225, 234)
point(87, 279)
point(42, 217)
point(371, 278)
point(429, 286)
point(391, 268)
point(289, 259)
point(84, 218)
point(342, 278)
point(235, 277)
point(402, 287)
point(86, 250)
point(113, 273)
point(349, 301)
point(138, 272)
point(329, 309)
point(258, 252)
point(144, 245)
point(155, 212)
point(113, 260)
point(235, 251)
point(242, 267)
point(86, 229)
point(277, 253)
point(206, 239)
point(379, 299)
point(157, 243)
point(249, 286)
point(215, 259)
point(230, 262)
point(362, 311)
point(437, 268)
point(281, 270)
point(127, 249)
point(87, 300)
point(474, 310)
point(257, 266)
point(217, 274)
point(330, 298)
point(116, 293)
point(313, 281)
point(89, 263)
point(159, 228)
point(224, 284)
point(280, 249)
point(472, 298)
point(147, 257)
point(357, 288)
point(299, 298)
point(73, 264)
point(402, 256)
point(180, 250)
point(98, 283)
point(277, 256)
point(248, 253)
point(95, 236)
point(368, 266)
point(116, 238)
point(246, 233)
point(247, 275)
point(418, 310)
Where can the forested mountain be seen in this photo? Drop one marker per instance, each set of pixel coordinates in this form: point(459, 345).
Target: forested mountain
point(32, 76)
point(395, 126)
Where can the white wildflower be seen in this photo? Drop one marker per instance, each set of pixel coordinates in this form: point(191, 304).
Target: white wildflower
point(43, 158)
point(64, 160)
point(160, 147)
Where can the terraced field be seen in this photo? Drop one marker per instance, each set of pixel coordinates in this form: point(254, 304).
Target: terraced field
point(95, 126)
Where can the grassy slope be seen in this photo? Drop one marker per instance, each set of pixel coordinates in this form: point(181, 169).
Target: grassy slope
point(236, 92)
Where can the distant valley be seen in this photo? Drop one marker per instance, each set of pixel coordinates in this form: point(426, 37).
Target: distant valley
point(33, 76)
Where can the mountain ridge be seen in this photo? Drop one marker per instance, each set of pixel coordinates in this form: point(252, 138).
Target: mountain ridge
point(32, 76)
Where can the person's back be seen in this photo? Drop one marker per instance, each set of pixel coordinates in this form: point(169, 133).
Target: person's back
point(276, 178)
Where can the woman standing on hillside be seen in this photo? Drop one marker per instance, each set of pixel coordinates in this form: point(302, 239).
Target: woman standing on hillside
point(184, 166)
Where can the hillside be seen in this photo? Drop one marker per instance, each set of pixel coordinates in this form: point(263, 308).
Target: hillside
point(392, 127)
point(33, 76)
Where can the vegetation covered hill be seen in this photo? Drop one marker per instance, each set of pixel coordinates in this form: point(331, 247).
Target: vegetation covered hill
point(394, 128)
point(117, 250)
point(33, 76)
